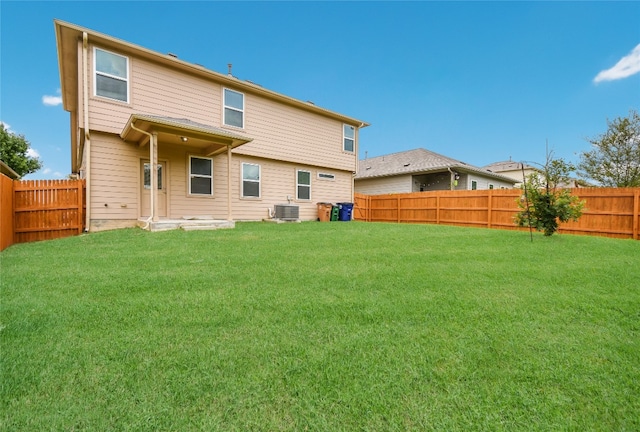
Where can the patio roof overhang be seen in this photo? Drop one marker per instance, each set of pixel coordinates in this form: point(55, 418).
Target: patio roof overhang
point(209, 139)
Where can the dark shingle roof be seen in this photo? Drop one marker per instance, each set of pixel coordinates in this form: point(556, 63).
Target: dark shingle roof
point(498, 167)
point(416, 161)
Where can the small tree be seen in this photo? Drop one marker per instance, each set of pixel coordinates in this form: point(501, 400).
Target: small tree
point(544, 204)
point(13, 152)
point(614, 160)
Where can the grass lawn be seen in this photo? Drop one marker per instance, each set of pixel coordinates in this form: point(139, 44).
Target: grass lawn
point(323, 327)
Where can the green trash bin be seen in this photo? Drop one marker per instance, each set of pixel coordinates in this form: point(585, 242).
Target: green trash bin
point(335, 213)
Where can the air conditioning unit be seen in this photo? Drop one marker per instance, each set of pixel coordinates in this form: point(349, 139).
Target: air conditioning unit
point(287, 212)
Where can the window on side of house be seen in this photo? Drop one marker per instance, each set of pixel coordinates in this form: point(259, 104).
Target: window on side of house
point(348, 138)
point(303, 185)
point(490, 186)
point(233, 108)
point(200, 176)
point(474, 185)
point(250, 180)
point(111, 75)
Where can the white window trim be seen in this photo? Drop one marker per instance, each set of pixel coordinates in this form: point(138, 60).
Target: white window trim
point(189, 176)
point(299, 184)
point(345, 137)
point(96, 73)
point(471, 184)
point(321, 174)
point(242, 180)
point(224, 107)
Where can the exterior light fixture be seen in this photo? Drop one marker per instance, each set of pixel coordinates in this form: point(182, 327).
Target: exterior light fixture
point(184, 139)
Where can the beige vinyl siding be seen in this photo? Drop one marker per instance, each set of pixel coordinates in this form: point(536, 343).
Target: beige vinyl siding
point(278, 180)
point(116, 172)
point(159, 91)
point(294, 135)
point(183, 204)
point(384, 185)
point(115, 176)
point(166, 92)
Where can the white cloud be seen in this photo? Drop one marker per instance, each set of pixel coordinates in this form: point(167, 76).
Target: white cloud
point(627, 66)
point(52, 100)
point(33, 153)
point(46, 171)
point(58, 174)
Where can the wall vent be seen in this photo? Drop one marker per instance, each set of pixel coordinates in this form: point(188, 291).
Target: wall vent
point(287, 212)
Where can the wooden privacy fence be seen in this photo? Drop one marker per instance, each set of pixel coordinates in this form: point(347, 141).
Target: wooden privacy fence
point(43, 209)
point(6, 212)
point(611, 212)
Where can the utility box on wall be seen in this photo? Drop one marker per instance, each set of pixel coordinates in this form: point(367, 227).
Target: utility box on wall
point(287, 212)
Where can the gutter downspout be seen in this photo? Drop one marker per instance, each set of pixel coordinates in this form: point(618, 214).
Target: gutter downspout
point(229, 214)
point(450, 178)
point(87, 137)
point(356, 148)
point(152, 172)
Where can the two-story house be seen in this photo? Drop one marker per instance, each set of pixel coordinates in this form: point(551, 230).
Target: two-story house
point(159, 138)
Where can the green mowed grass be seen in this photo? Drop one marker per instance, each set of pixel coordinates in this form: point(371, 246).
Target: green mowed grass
point(321, 326)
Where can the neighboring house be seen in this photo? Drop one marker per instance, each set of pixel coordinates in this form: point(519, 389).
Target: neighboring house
point(520, 170)
point(511, 169)
point(159, 138)
point(423, 170)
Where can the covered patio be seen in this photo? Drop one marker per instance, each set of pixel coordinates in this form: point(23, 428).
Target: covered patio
point(148, 130)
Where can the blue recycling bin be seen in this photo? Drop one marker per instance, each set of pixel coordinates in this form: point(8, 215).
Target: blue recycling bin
point(346, 210)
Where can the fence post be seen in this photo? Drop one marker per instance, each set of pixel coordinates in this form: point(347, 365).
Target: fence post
point(438, 210)
point(636, 211)
point(489, 205)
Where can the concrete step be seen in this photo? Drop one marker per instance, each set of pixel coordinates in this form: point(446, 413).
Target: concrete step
point(190, 225)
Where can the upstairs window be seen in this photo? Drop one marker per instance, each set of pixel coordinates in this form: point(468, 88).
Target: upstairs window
point(233, 108)
point(250, 180)
point(112, 75)
point(200, 176)
point(303, 186)
point(348, 138)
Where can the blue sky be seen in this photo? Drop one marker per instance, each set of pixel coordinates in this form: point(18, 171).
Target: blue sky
point(476, 81)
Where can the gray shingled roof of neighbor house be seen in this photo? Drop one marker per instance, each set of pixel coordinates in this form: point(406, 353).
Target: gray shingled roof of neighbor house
point(498, 167)
point(416, 161)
